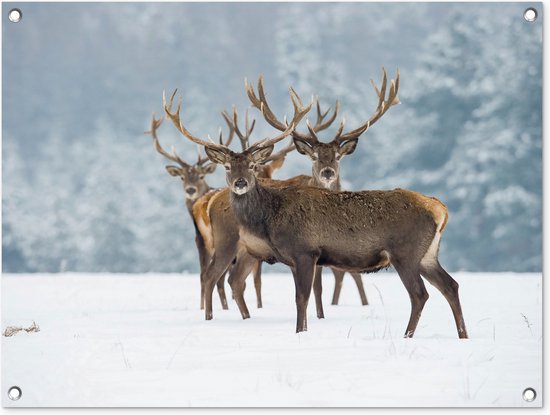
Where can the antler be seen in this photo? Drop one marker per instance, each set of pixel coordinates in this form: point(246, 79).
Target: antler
point(230, 136)
point(155, 124)
point(319, 124)
point(175, 117)
point(261, 102)
point(383, 106)
point(231, 133)
point(245, 138)
point(234, 124)
point(299, 112)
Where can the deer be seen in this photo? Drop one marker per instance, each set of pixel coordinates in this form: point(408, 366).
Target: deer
point(214, 208)
point(194, 187)
point(217, 224)
point(363, 231)
point(227, 229)
point(326, 159)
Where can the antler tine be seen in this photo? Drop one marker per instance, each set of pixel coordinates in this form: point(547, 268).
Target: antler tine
point(299, 112)
point(229, 123)
point(340, 129)
point(393, 99)
point(155, 124)
point(175, 117)
point(200, 159)
point(233, 123)
point(383, 105)
point(311, 131)
point(261, 104)
point(249, 130)
point(231, 129)
point(156, 143)
point(319, 124)
point(177, 158)
point(243, 138)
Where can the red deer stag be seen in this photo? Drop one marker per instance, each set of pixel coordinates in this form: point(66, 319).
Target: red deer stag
point(326, 164)
point(353, 231)
point(227, 228)
point(218, 224)
point(194, 187)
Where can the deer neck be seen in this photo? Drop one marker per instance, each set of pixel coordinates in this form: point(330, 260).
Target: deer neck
point(190, 203)
point(255, 208)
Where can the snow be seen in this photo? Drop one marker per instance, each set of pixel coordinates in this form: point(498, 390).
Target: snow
point(141, 340)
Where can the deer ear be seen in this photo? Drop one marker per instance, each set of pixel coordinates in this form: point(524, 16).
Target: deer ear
point(261, 154)
point(209, 168)
point(348, 147)
point(216, 155)
point(174, 171)
point(303, 147)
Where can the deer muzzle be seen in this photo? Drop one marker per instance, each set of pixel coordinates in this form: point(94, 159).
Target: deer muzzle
point(240, 186)
point(327, 175)
point(191, 192)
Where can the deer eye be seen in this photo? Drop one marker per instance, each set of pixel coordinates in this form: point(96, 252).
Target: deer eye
point(201, 176)
point(227, 167)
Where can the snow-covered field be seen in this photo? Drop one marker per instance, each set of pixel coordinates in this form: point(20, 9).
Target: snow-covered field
point(141, 340)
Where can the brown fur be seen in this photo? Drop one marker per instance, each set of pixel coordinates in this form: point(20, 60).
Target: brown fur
point(435, 206)
point(202, 219)
point(304, 227)
point(219, 229)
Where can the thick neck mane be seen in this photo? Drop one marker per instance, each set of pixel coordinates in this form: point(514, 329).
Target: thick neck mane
point(255, 208)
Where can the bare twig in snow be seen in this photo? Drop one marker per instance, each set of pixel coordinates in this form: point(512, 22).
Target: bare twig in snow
point(126, 362)
point(13, 330)
point(527, 322)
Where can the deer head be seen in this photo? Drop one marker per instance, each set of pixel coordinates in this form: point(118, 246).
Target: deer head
point(326, 156)
point(191, 175)
point(267, 167)
point(241, 167)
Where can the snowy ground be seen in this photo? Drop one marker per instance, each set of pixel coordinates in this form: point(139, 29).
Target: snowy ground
point(127, 340)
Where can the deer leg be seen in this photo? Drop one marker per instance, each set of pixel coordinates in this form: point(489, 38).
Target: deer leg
point(440, 279)
point(229, 280)
point(338, 280)
point(303, 280)
point(215, 270)
point(244, 264)
point(318, 291)
point(204, 259)
point(204, 266)
point(359, 282)
point(221, 291)
point(202, 292)
point(417, 293)
point(257, 274)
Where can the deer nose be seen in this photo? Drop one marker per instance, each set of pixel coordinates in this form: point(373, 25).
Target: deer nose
point(191, 190)
point(240, 183)
point(327, 173)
